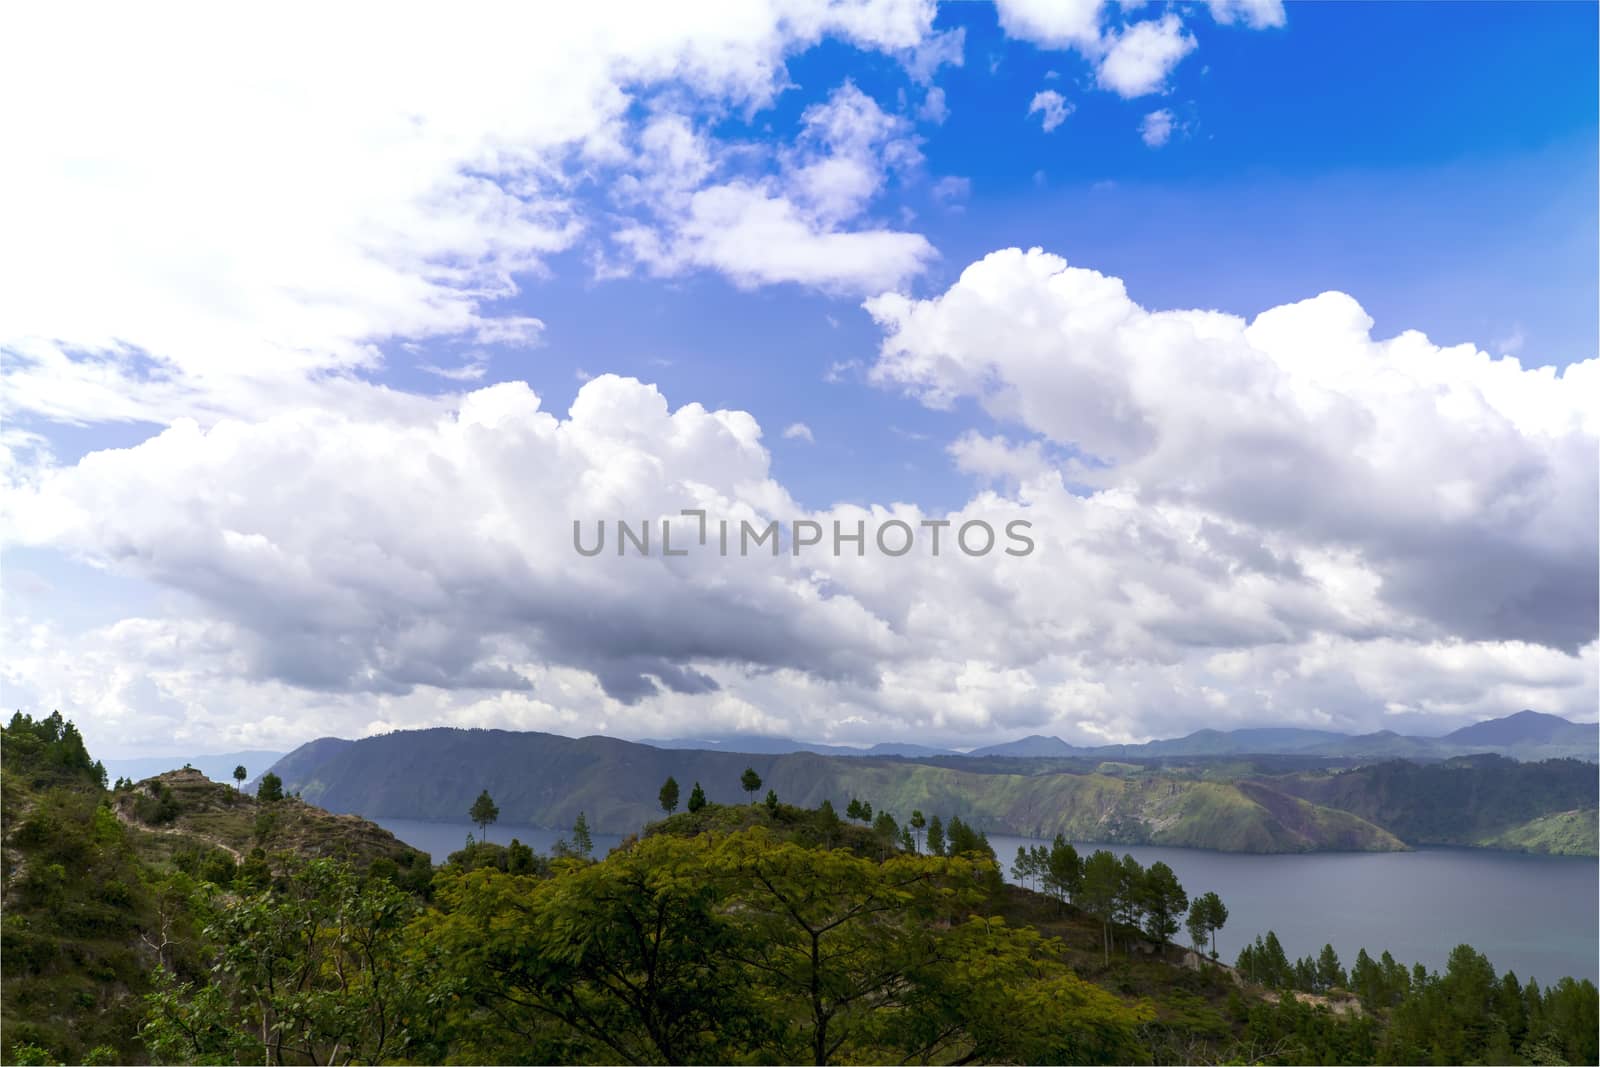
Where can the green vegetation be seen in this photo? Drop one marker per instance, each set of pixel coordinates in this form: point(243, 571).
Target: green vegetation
point(177, 920)
point(1487, 801)
point(1566, 833)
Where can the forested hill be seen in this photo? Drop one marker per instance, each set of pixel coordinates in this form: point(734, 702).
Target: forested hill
point(545, 780)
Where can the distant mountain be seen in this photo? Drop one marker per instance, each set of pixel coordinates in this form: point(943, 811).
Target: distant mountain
point(1525, 728)
point(1527, 735)
point(759, 744)
point(545, 780)
point(1032, 745)
point(218, 766)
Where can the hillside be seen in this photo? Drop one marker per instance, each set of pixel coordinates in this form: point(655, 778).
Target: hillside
point(92, 882)
point(545, 780)
point(1488, 801)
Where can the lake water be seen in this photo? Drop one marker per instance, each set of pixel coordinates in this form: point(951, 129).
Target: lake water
point(1535, 915)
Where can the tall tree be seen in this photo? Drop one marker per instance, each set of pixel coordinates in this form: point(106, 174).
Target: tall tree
point(935, 837)
point(582, 840)
point(483, 812)
point(1163, 900)
point(697, 798)
point(668, 797)
point(918, 824)
point(1207, 915)
point(239, 775)
point(1102, 882)
point(1063, 869)
point(750, 781)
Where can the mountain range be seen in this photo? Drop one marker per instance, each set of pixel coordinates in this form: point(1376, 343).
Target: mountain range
point(1268, 803)
point(1526, 735)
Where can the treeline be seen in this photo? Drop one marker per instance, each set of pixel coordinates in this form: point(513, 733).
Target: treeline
point(1466, 1014)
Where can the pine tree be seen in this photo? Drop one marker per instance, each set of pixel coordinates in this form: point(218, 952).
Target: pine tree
point(582, 842)
point(697, 798)
point(483, 812)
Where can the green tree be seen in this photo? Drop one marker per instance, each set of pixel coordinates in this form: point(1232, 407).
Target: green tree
point(1063, 869)
point(1207, 915)
point(484, 811)
point(668, 797)
point(1163, 900)
point(270, 788)
point(772, 801)
point(750, 781)
point(935, 837)
point(918, 824)
point(1330, 973)
point(582, 840)
point(239, 775)
point(697, 798)
point(312, 972)
point(1102, 882)
point(852, 810)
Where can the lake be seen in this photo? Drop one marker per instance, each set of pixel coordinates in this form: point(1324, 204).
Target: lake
point(1535, 915)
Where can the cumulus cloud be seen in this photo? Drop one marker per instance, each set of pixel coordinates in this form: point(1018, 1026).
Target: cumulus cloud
point(1156, 129)
point(1458, 486)
point(1052, 106)
point(391, 178)
point(418, 569)
point(1143, 55)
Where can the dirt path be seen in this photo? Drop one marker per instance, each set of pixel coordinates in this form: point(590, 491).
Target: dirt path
point(126, 820)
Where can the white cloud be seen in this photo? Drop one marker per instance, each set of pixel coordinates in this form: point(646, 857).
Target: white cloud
point(1053, 23)
point(321, 603)
point(1460, 484)
point(1257, 14)
point(1143, 55)
point(1156, 128)
point(389, 177)
point(1053, 106)
point(934, 108)
point(785, 227)
point(799, 431)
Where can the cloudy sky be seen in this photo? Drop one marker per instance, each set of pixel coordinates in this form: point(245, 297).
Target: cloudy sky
point(318, 333)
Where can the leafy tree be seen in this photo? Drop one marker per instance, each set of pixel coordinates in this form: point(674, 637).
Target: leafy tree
point(313, 972)
point(484, 811)
point(918, 824)
point(1163, 901)
point(935, 837)
point(582, 840)
point(668, 797)
point(750, 781)
point(239, 775)
point(852, 810)
point(697, 798)
point(772, 801)
point(270, 788)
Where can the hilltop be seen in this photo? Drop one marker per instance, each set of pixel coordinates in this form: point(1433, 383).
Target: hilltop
point(93, 881)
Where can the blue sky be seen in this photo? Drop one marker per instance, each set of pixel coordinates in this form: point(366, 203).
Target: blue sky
point(230, 305)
